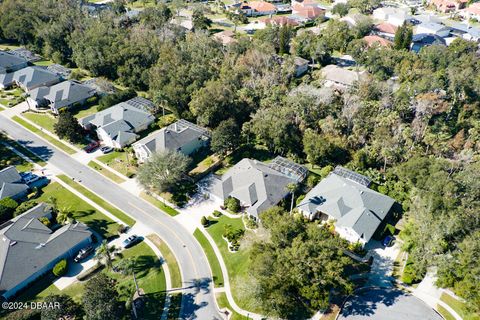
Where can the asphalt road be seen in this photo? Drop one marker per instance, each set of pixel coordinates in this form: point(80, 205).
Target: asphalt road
point(198, 297)
point(386, 304)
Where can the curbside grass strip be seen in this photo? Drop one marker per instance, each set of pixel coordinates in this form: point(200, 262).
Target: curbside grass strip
point(212, 258)
point(102, 203)
point(175, 276)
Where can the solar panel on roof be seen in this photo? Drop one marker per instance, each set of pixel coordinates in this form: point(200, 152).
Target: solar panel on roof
point(289, 168)
point(352, 176)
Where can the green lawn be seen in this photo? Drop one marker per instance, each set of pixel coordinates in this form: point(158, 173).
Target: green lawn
point(55, 142)
point(44, 120)
point(237, 262)
point(444, 312)
point(459, 307)
point(175, 276)
point(10, 158)
point(43, 63)
point(82, 211)
point(223, 303)
point(117, 160)
point(110, 175)
point(86, 110)
point(148, 272)
point(212, 258)
point(159, 204)
point(102, 203)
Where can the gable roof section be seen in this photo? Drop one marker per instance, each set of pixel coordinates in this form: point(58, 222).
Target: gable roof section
point(9, 61)
point(340, 75)
point(386, 27)
point(30, 244)
point(351, 204)
point(32, 77)
point(11, 183)
point(173, 137)
point(63, 94)
point(255, 184)
point(262, 6)
point(372, 40)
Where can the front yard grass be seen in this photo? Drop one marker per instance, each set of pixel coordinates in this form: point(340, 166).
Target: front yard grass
point(82, 211)
point(50, 139)
point(237, 262)
point(10, 158)
point(159, 204)
point(102, 203)
point(44, 120)
point(175, 276)
point(117, 160)
point(212, 258)
point(11, 97)
point(110, 175)
point(459, 307)
point(222, 302)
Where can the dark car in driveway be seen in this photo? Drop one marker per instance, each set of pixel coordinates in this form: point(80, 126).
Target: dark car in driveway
point(92, 146)
point(131, 241)
point(83, 253)
point(388, 241)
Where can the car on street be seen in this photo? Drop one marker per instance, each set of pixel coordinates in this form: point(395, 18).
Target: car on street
point(131, 241)
point(106, 149)
point(92, 146)
point(388, 241)
point(83, 253)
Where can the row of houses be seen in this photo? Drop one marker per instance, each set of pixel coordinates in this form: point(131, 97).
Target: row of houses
point(45, 87)
point(343, 197)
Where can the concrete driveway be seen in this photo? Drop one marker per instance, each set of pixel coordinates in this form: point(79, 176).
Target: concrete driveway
point(386, 304)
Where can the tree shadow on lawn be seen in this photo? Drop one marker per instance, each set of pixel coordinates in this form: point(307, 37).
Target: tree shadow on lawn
point(211, 222)
point(143, 264)
point(99, 225)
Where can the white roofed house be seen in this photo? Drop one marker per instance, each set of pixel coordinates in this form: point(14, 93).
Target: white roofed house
point(181, 136)
point(344, 197)
point(257, 185)
point(433, 28)
point(118, 125)
point(59, 96)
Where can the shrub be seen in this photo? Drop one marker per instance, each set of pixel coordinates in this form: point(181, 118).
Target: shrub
point(204, 221)
point(251, 223)
point(112, 99)
point(7, 208)
point(24, 206)
point(408, 275)
point(217, 213)
point(299, 199)
point(166, 120)
point(60, 268)
point(312, 180)
point(45, 221)
point(232, 204)
point(389, 230)
point(122, 229)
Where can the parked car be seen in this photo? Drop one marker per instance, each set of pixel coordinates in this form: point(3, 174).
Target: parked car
point(91, 147)
point(29, 177)
point(388, 241)
point(83, 253)
point(131, 241)
point(106, 149)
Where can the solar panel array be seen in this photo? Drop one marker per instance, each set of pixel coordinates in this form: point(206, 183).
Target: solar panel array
point(353, 176)
point(141, 103)
point(26, 54)
point(289, 168)
point(188, 124)
point(60, 70)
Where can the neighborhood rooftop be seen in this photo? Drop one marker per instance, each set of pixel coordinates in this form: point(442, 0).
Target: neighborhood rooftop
point(11, 183)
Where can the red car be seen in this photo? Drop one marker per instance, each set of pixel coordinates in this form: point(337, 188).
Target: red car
point(92, 146)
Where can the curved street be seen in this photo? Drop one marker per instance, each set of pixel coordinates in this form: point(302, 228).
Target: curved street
point(198, 300)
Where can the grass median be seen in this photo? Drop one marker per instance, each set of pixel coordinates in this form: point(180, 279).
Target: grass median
point(211, 256)
point(105, 172)
point(55, 142)
point(102, 203)
point(159, 204)
point(175, 276)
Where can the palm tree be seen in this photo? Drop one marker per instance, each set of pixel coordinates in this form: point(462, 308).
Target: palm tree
point(292, 187)
point(52, 201)
point(127, 266)
point(105, 253)
point(65, 215)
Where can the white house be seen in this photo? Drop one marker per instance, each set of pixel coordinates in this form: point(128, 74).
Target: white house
point(433, 28)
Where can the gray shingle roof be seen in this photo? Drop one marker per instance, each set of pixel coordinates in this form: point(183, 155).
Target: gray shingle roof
point(32, 77)
point(340, 75)
point(11, 183)
point(28, 246)
point(63, 94)
point(255, 184)
point(351, 204)
point(173, 137)
point(9, 61)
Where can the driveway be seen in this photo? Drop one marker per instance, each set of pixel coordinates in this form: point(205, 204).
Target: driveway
point(382, 266)
point(386, 304)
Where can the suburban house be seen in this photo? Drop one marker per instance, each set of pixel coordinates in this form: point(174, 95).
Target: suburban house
point(344, 197)
point(257, 185)
point(307, 9)
point(281, 21)
point(30, 249)
point(61, 95)
point(26, 54)
point(471, 12)
point(340, 78)
point(225, 37)
point(433, 28)
point(118, 125)
point(258, 8)
point(301, 66)
point(181, 136)
point(386, 30)
point(395, 16)
point(11, 184)
point(447, 6)
point(10, 62)
point(423, 40)
point(29, 78)
point(373, 40)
